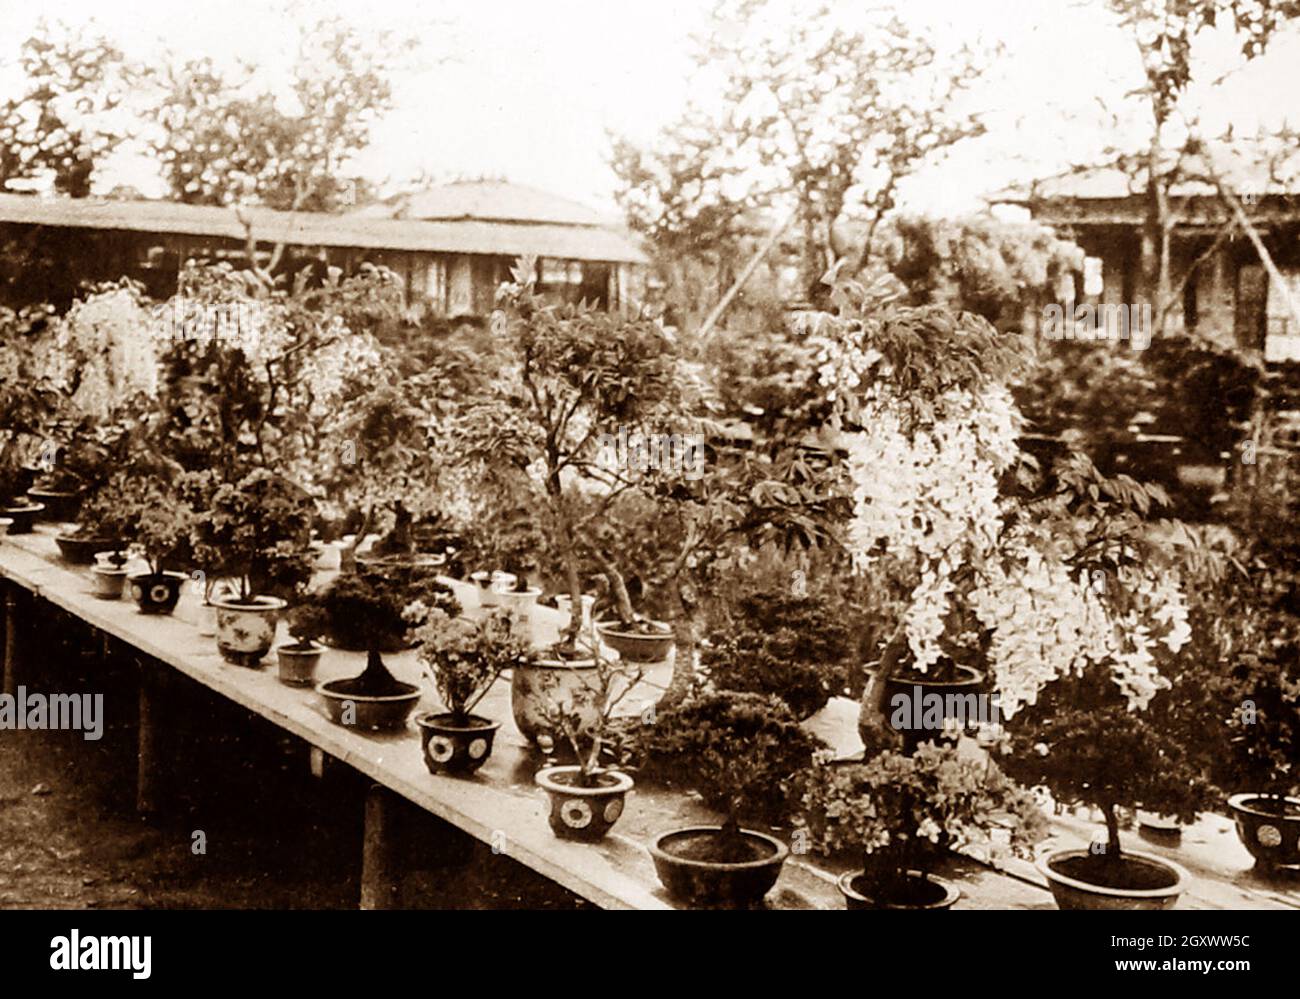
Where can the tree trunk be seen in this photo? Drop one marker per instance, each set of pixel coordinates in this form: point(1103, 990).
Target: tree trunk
point(684, 642)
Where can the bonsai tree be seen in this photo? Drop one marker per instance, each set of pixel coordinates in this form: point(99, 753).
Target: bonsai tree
point(461, 658)
point(900, 814)
point(568, 376)
point(307, 623)
point(373, 611)
point(29, 395)
point(582, 716)
point(794, 647)
point(257, 531)
point(739, 751)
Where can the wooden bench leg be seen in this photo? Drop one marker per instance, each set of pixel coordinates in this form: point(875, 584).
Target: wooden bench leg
point(379, 875)
point(12, 665)
point(149, 773)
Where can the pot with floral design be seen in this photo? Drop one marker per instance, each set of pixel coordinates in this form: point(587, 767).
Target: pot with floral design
point(246, 628)
point(538, 684)
point(1269, 827)
point(583, 805)
point(456, 746)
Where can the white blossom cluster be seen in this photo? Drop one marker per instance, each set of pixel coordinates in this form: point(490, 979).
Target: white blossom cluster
point(105, 346)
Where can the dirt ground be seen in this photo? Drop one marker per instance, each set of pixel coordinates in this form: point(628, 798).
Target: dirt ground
point(274, 836)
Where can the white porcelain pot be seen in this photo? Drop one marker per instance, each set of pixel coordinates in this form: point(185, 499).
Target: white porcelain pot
point(246, 630)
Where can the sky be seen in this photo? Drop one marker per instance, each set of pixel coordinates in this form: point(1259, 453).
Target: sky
point(528, 89)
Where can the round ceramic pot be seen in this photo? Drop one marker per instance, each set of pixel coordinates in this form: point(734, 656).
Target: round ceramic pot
point(583, 813)
point(156, 593)
point(22, 515)
point(377, 714)
point(1272, 839)
point(246, 630)
point(108, 581)
point(634, 647)
point(944, 893)
point(535, 686)
point(454, 749)
point(61, 505)
point(564, 603)
point(1163, 881)
point(698, 881)
point(82, 551)
point(5, 524)
point(906, 699)
point(521, 604)
point(298, 665)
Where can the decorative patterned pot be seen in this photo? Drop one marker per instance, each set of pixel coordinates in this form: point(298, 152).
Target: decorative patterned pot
point(944, 892)
point(1272, 839)
point(156, 593)
point(108, 581)
point(22, 515)
point(1162, 881)
point(633, 646)
point(246, 630)
point(298, 665)
point(583, 813)
point(521, 604)
point(533, 686)
point(682, 861)
point(455, 749)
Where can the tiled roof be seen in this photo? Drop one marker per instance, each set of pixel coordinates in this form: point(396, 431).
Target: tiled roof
point(486, 201)
point(502, 238)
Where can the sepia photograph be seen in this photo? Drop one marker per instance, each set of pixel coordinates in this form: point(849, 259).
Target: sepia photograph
point(685, 455)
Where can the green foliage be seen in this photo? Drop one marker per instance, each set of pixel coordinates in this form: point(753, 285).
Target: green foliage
point(738, 750)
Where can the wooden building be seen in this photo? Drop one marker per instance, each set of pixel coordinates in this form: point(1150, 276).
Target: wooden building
point(452, 246)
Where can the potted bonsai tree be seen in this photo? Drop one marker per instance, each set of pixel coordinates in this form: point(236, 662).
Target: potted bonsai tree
point(461, 660)
point(373, 611)
point(740, 752)
point(29, 401)
point(261, 526)
point(161, 525)
point(586, 798)
point(900, 814)
point(795, 647)
point(298, 659)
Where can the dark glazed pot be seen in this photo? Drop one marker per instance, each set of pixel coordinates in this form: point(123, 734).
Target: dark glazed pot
point(583, 813)
point(454, 749)
point(929, 893)
point(634, 646)
point(156, 593)
point(82, 551)
point(1155, 882)
point(681, 861)
point(23, 514)
point(1272, 838)
point(61, 505)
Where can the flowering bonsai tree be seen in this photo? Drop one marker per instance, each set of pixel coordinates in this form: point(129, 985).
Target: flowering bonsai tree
point(899, 814)
point(462, 658)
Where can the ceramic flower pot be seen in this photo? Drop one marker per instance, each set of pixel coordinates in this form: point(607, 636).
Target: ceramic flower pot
point(535, 686)
point(699, 867)
point(455, 748)
point(246, 629)
point(22, 515)
point(520, 603)
point(1137, 881)
point(298, 665)
point(564, 603)
point(156, 592)
point(5, 524)
point(635, 646)
point(376, 713)
point(108, 581)
point(61, 505)
point(1269, 828)
point(907, 699)
point(922, 892)
point(82, 551)
point(580, 812)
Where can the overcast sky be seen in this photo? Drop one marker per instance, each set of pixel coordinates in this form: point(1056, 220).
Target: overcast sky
point(533, 85)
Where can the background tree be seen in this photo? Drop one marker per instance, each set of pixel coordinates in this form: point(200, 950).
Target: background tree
point(58, 123)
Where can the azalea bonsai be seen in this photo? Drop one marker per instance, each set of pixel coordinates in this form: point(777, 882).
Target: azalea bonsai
point(461, 660)
point(898, 815)
point(160, 525)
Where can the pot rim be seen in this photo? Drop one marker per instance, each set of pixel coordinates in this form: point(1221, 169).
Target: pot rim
point(607, 627)
point(255, 604)
point(544, 779)
point(101, 539)
point(53, 493)
point(532, 591)
point(974, 676)
point(29, 507)
point(1238, 801)
point(414, 695)
point(169, 573)
point(659, 853)
point(1177, 888)
point(288, 648)
point(109, 570)
point(429, 720)
point(952, 893)
point(573, 664)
